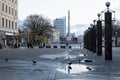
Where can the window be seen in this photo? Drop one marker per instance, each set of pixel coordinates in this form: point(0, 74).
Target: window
point(12, 25)
point(15, 12)
point(16, 25)
point(9, 24)
point(3, 7)
point(9, 10)
point(6, 9)
point(12, 11)
point(6, 23)
point(2, 22)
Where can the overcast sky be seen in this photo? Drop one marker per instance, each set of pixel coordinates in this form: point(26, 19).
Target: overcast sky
point(81, 11)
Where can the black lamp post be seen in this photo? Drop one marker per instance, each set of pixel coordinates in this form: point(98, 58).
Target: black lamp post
point(99, 36)
point(108, 33)
point(85, 34)
point(90, 41)
point(87, 40)
point(94, 36)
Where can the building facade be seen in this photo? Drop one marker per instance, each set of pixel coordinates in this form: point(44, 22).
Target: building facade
point(60, 24)
point(54, 36)
point(8, 20)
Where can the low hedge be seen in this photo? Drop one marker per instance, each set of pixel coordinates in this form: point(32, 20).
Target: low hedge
point(62, 46)
point(65, 47)
point(40, 46)
point(55, 46)
point(48, 46)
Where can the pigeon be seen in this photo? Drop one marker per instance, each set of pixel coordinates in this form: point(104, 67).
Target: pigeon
point(70, 63)
point(34, 62)
point(88, 68)
point(6, 60)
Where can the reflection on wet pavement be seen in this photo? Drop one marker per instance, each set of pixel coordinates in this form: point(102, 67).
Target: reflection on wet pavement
point(76, 68)
point(55, 67)
point(87, 60)
point(58, 56)
point(25, 70)
point(61, 56)
point(82, 55)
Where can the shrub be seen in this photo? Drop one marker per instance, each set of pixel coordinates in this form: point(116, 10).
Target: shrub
point(55, 46)
point(40, 46)
point(62, 46)
point(48, 46)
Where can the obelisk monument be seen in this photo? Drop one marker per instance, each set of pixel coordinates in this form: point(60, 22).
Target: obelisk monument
point(68, 34)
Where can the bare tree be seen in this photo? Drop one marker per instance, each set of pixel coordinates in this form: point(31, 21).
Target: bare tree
point(37, 25)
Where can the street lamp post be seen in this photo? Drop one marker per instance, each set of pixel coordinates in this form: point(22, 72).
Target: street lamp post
point(99, 36)
point(85, 39)
point(94, 36)
point(90, 41)
point(108, 33)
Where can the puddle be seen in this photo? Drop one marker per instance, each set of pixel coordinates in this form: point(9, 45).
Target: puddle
point(64, 55)
point(87, 60)
point(82, 55)
point(58, 56)
point(76, 68)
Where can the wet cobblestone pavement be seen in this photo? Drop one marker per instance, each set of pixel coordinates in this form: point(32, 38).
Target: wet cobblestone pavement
point(52, 64)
